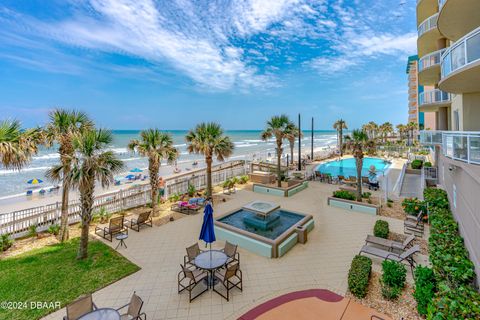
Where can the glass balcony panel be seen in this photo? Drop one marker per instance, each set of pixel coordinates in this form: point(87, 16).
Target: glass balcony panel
point(460, 147)
point(473, 48)
point(437, 137)
point(447, 65)
point(458, 56)
point(475, 149)
point(448, 146)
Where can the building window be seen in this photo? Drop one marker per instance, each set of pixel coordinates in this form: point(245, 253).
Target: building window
point(456, 121)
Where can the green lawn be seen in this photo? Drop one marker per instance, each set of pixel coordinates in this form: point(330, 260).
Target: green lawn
point(52, 274)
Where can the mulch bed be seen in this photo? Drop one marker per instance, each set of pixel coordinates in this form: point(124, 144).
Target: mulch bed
point(396, 211)
point(401, 237)
point(404, 307)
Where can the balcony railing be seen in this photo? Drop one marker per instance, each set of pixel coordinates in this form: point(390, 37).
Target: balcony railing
point(427, 25)
point(430, 60)
point(441, 3)
point(433, 97)
point(458, 145)
point(462, 53)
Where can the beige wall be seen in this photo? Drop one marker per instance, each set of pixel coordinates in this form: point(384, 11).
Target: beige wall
point(462, 186)
point(471, 112)
point(429, 119)
point(442, 119)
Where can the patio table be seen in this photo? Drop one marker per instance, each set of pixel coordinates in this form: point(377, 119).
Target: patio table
point(101, 314)
point(210, 260)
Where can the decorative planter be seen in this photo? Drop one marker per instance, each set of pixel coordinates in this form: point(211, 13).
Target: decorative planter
point(353, 205)
point(281, 192)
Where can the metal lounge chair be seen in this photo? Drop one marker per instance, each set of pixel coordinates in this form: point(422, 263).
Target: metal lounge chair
point(414, 225)
point(192, 252)
point(115, 226)
point(134, 311)
point(231, 251)
point(229, 278)
point(79, 307)
point(390, 244)
point(388, 255)
point(190, 279)
point(136, 221)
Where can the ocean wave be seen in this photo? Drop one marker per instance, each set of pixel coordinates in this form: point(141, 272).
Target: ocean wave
point(131, 159)
point(47, 156)
point(252, 140)
point(180, 145)
point(246, 145)
point(6, 171)
point(119, 150)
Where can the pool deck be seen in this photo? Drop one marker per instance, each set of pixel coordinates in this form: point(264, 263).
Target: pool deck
point(323, 262)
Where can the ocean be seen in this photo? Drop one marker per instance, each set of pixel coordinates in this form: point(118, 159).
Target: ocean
point(247, 143)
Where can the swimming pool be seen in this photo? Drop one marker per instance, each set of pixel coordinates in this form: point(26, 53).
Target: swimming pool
point(347, 167)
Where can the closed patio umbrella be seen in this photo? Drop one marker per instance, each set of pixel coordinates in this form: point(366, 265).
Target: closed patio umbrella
point(207, 233)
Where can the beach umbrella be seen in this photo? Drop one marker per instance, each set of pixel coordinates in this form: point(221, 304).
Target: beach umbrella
point(130, 176)
point(35, 181)
point(136, 170)
point(207, 233)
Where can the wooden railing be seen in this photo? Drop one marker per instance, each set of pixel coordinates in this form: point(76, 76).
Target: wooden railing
point(17, 223)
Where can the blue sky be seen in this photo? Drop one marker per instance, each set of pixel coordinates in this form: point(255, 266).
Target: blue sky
point(133, 64)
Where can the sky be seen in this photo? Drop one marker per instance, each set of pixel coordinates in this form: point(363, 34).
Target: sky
point(134, 64)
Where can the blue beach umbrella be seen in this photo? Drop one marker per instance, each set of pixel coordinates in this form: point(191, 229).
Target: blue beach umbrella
point(136, 170)
point(35, 181)
point(207, 233)
point(130, 176)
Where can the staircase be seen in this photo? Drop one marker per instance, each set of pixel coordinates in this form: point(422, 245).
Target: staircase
point(411, 186)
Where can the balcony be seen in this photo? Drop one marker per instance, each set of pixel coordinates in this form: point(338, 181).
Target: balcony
point(461, 65)
point(458, 145)
point(458, 17)
point(431, 100)
point(425, 9)
point(429, 68)
point(428, 35)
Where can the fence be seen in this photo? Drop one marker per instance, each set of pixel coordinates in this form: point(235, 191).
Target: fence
point(17, 223)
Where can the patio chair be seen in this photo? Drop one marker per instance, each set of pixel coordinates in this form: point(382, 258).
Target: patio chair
point(79, 307)
point(231, 251)
point(115, 226)
point(318, 176)
point(414, 225)
point(229, 278)
point(194, 278)
point(134, 311)
point(192, 252)
point(136, 221)
point(388, 255)
point(390, 244)
point(365, 181)
point(341, 178)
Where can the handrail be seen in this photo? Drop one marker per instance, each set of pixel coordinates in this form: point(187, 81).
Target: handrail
point(430, 60)
point(398, 184)
point(461, 54)
point(433, 97)
point(428, 24)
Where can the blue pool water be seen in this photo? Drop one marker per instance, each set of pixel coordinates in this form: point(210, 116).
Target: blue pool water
point(283, 221)
point(347, 167)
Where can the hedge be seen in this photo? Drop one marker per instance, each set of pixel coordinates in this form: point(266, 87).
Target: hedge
point(343, 194)
point(393, 279)
point(456, 298)
point(381, 229)
point(425, 287)
point(416, 164)
point(359, 275)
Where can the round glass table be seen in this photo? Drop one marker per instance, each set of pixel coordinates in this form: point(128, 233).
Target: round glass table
point(121, 238)
point(101, 314)
point(210, 260)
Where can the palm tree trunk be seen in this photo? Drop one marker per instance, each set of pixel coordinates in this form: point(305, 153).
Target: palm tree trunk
point(292, 146)
point(279, 170)
point(86, 200)
point(359, 164)
point(153, 171)
point(63, 233)
point(208, 161)
point(340, 141)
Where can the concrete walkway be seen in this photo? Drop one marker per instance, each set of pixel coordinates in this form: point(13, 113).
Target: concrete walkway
point(411, 186)
point(323, 262)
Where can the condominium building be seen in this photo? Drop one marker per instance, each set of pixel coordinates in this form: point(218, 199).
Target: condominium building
point(449, 69)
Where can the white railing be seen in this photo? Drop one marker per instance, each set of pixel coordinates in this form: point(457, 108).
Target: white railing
point(462, 53)
point(433, 97)
point(441, 3)
point(397, 189)
point(430, 60)
point(427, 25)
point(458, 145)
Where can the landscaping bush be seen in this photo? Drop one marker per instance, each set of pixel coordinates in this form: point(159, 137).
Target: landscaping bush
point(342, 194)
point(393, 279)
point(102, 215)
point(416, 164)
point(424, 288)
point(191, 190)
point(436, 198)
point(359, 275)
point(174, 197)
point(366, 195)
point(243, 179)
point(5, 242)
point(455, 303)
point(427, 164)
point(54, 229)
point(32, 230)
point(413, 206)
point(381, 229)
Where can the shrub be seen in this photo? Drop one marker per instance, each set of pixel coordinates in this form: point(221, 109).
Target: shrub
point(174, 197)
point(427, 164)
point(366, 195)
point(5, 242)
point(424, 288)
point(54, 229)
point(243, 179)
point(436, 198)
point(389, 204)
point(342, 194)
point(381, 229)
point(32, 230)
point(359, 275)
point(191, 190)
point(393, 279)
point(413, 206)
point(102, 215)
point(416, 164)
point(455, 303)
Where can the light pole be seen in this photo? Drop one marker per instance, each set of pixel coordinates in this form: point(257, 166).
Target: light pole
point(299, 167)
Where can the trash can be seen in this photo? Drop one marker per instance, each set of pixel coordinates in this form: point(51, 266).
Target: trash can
point(302, 234)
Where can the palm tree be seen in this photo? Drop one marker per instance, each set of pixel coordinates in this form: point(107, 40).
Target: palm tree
point(339, 125)
point(280, 128)
point(63, 126)
point(292, 135)
point(358, 142)
point(411, 127)
point(89, 163)
point(401, 130)
point(17, 146)
point(155, 145)
point(385, 129)
point(208, 139)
